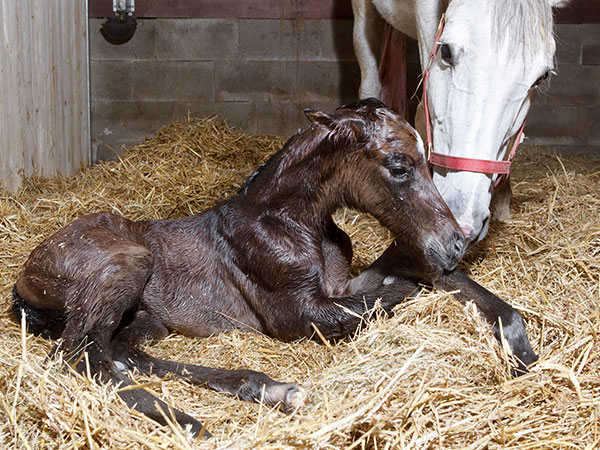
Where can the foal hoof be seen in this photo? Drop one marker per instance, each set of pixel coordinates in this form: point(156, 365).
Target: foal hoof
point(289, 397)
point(519, 369)
point(520, 366)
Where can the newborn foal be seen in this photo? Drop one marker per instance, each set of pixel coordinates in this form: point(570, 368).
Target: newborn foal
point(269, 259)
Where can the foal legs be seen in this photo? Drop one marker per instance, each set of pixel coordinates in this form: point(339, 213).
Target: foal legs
point(392, 266)
point(246, 385)
point(494, 310)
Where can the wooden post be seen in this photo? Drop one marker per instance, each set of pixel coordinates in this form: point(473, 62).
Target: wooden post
point(43, 89)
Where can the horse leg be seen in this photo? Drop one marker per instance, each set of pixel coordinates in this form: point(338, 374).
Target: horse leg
point(367, 34)
point(246, 385)
point(500, 205)
point(496, 312)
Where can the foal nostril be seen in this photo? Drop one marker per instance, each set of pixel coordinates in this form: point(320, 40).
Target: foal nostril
point(458, 244)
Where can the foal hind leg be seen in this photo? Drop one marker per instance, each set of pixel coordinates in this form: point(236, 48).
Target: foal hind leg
point(247, 385)
point(96, 302)
point(111, 283)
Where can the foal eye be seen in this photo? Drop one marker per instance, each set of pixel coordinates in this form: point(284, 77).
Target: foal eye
point(446, 54)
point(398, 171)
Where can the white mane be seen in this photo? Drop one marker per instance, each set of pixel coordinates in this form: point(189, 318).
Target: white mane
point(528, 22)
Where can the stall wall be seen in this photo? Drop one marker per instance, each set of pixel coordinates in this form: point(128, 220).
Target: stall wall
point(44, 99)
point(259, 63)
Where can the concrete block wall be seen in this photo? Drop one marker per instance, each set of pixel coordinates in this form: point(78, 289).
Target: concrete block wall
point(258, 74)
point(565, 114)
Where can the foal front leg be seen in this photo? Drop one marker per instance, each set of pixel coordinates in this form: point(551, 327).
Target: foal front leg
point(495, 311)
point(338, 317)
point(336, 248)
point(394, 264)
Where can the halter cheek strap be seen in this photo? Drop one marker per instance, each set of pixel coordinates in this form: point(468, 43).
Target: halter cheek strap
point(458, 162)
point(488, 166)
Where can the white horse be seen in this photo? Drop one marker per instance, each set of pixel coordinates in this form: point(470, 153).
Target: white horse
point(492, 53)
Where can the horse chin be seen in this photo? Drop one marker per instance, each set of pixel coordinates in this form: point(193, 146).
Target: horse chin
point(473, 235)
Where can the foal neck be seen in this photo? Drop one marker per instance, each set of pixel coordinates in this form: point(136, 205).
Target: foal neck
point(301, 179)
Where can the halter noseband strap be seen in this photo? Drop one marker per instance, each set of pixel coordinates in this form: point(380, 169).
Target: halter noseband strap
point(458, 162)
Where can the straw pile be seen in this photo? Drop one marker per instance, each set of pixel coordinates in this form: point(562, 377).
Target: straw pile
point(430, 377)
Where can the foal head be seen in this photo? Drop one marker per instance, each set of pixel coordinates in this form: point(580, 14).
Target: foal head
point(380, 168)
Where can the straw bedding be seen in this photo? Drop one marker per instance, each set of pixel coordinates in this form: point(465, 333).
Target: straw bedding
point(429, 377)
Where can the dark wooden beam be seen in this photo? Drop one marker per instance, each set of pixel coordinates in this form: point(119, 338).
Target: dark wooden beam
point(392, 71)
point(579, 11)
point(247, 9)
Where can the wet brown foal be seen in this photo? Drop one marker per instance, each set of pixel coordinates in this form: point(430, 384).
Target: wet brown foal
point(269, 259)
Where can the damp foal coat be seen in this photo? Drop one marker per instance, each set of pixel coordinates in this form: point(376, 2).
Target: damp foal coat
point(269, 259)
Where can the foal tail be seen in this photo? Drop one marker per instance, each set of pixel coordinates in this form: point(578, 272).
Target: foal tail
point(47, 323)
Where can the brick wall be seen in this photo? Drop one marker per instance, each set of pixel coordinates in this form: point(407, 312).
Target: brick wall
point(258, 74)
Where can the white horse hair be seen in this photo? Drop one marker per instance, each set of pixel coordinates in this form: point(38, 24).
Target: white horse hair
point(493, 52)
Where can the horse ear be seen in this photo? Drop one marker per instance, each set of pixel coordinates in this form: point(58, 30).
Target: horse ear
point(320, 117)
point(559, 3)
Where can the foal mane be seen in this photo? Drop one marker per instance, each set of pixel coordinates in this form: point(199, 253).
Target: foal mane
point(295, 149)
point(344, 128)
point(526, 23)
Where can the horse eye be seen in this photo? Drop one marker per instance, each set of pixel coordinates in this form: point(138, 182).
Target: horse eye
point(398, 171)
point(541, 79)
point(446, 53)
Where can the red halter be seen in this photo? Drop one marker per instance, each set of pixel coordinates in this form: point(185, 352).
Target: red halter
point(458, 162)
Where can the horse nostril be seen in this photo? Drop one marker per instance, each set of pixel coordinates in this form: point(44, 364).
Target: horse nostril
point(466, 230)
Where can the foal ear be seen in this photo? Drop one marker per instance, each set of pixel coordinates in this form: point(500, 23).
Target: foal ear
point(320, 117)
point(350, 127)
